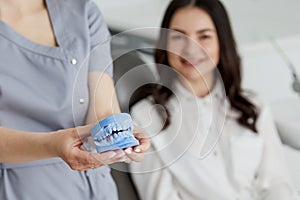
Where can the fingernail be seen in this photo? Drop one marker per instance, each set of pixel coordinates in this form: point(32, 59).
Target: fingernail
point(112, 155)
point(123, 160)
point(137, 150)
point(128, 151)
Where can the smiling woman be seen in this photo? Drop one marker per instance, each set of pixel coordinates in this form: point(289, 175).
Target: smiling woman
point(193, 46)
point(197, 49)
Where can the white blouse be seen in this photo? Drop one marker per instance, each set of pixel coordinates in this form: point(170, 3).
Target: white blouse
point(205, 154)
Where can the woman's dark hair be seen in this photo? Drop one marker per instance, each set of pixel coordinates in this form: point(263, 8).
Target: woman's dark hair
point(229, 65)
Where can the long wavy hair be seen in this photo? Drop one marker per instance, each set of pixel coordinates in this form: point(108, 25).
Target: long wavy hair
point(229, 64)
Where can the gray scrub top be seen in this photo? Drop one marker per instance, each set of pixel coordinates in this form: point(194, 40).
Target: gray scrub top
point(44, 89)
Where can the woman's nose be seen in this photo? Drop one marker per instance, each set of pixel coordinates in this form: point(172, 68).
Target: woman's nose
point(192, 48)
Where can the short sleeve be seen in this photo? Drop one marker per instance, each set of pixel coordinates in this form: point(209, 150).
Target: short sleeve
point(100, 53)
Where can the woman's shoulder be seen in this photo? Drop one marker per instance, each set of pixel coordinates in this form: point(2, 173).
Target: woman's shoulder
point(262, 105)
point(252, 97)
point(257, 99)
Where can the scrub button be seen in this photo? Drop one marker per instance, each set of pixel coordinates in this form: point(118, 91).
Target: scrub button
point(81, 101)
point(73, 61)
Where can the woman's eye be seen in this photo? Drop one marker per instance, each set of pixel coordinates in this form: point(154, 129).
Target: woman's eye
point(177, 37)
point(204, 37)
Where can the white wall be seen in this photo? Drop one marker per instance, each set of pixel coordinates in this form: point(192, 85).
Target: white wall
point(265, 71)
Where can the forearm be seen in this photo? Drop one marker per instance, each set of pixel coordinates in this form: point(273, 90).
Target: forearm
point(18, 146)
point(103, 99)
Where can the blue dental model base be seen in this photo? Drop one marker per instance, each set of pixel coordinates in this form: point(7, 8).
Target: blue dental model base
point(114, 132)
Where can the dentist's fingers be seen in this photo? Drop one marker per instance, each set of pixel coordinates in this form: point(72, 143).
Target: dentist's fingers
point(119, 156)
point(84, 160)
point(133, 156)
point(84, 131)
point(143, 138)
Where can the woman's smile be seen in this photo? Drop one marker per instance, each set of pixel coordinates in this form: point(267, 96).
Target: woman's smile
point(192, 62)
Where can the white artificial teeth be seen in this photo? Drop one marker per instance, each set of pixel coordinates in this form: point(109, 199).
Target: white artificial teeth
point(105, 142)
point(111, 139)
point(126, 133)
point(100, 137)
point(119, 134)
point(102, 142)
point(114, 133)
point(123, 135)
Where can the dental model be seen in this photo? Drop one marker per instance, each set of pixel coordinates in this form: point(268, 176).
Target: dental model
point(114, 132)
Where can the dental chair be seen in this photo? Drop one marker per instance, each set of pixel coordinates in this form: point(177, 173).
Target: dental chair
point(131, 73)
point(286, 114)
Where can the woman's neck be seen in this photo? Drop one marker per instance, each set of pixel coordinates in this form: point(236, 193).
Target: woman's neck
point(200, 87)
point(21, 6)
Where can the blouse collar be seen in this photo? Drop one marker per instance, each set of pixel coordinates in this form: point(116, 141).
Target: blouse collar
point(218, 92)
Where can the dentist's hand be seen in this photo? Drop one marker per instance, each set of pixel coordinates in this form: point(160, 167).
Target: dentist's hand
point(67, 144)
point(137, 153)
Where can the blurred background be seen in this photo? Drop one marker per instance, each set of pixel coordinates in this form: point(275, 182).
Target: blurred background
point(253, 22)
point(267, 33)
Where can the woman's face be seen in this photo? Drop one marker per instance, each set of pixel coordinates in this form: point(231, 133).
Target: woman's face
point(193, 45)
